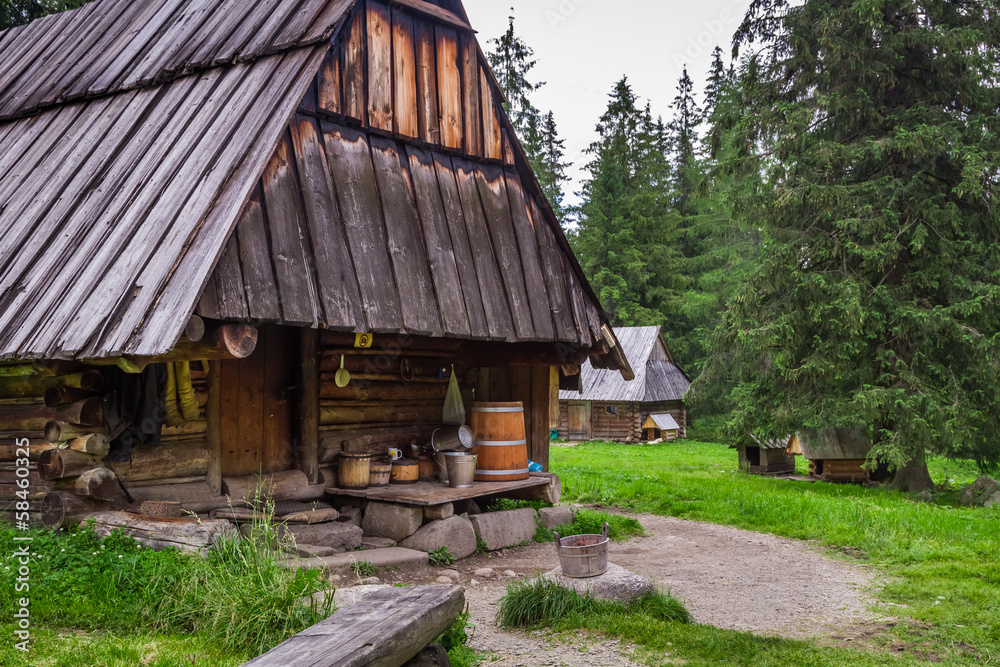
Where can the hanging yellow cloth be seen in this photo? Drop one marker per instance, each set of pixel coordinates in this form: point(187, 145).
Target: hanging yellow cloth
point(185, 392)
point(174, 417)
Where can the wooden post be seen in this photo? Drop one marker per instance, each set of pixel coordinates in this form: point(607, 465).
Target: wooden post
point(309, 424)
point(538, 422)
point(213, 414)
point(553, 397)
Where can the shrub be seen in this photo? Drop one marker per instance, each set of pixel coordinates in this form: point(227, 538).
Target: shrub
point(441, 556)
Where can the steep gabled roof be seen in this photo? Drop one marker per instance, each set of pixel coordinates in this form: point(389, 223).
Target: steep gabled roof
point(657, 377)
point(148, 149)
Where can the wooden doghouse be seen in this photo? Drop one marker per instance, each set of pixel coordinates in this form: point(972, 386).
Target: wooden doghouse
point(660, 427)
point(605, 406)
point(768, 456)
point(254, 198)
point(837, 454)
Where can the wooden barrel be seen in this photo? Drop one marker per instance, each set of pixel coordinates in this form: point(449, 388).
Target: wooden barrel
point(354, 472)
point(378, 473)
point(500, 441)
point(404, 471)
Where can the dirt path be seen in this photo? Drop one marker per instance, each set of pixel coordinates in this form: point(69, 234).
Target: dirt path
point(728, 578)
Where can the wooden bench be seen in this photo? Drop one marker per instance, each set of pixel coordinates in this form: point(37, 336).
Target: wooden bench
point(385, 629)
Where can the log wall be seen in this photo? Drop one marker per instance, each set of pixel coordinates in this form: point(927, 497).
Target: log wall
point(626, 425)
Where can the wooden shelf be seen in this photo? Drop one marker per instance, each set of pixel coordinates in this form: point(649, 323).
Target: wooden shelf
point(425, 494)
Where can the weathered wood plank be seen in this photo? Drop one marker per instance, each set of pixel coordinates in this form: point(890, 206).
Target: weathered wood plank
point(440, 252)
point(465, 260)
point(449, 82)
point(491, 287)
point(339, 293)
point(286, 222)
point(280, 358)
point(404, 66)
point(428, 122)
point(424, 494)
point(329, 81)
point(413, 280)
point(380, 66)
point(473, 131)
point(213, 432)
point(361, 210)
point(528, 244)
point(326, 22)
point(492, 139)
point(304, 16)
point(229, 295)
point(255, 256)
point(355, 88)
point(210, 36)
point(386, 628)
point(555, 280)
point(308, 455)
point(439, 13)
point(249, 30)
point(493, 193)
point(509, 159)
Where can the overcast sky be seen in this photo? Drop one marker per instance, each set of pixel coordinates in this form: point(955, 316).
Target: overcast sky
point(584, 46)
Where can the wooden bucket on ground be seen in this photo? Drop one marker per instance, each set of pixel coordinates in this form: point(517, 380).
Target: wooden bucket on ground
point(354, 471)
point(500, 441)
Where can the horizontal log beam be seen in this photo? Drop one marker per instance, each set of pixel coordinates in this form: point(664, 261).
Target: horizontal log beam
point(182, 458)
point(89, 412)
point(36, 385)
point(229, 341)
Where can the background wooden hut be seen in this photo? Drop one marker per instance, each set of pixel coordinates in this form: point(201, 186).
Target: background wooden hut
point(606, 406)
point(768, 456)
point(837, 454)
point(274, 188)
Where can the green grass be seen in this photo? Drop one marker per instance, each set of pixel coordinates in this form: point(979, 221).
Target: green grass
point(941, 562)
point(363, 569)
point(441, 556)
point(542, 603)
point(106, 601)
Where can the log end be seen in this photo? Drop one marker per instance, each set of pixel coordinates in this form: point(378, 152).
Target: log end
point(194, 330)
point(50, 465)
point(240, 340)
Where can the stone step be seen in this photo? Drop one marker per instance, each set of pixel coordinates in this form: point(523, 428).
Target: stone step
point(379, 557)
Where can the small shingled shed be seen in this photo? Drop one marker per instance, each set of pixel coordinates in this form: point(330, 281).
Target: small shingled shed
point(768, 456)
point(606, 406)
point(660, 426)
point(837, 454)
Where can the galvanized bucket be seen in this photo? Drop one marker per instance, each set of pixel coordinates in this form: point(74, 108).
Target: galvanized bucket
point(461, 469)
point(583, 555)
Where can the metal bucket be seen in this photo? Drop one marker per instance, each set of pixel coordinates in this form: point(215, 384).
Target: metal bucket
point(457, 438)
point(583, 555)
point(442, 467)
point(461, 469)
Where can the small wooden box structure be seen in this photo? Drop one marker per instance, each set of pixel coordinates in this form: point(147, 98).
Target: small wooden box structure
point(767, 456)
point(837, 454)
point(660, 426)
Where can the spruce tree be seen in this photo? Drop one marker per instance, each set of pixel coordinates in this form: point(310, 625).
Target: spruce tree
point(627, 233)
point(683, 139)
point(512, 60)
point(877, 297)
point(19, 12)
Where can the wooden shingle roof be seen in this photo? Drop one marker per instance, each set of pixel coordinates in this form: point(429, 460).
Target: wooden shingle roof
point(228, 155)
point(657, 377)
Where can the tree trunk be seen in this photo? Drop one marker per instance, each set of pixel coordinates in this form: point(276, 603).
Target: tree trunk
point(914, 476)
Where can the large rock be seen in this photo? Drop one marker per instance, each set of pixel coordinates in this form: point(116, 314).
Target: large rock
point(553, 517)
point(455, 532)
point(439, 512)
point(500, 530)
point(984, 492)
point(336, 535)
point(616, 583)
point(351, 515)
point(397, 522)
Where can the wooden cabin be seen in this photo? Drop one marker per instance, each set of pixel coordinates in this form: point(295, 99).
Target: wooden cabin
point(837, 454)
point(602, 405)
point(768, 456)
point(209, 208)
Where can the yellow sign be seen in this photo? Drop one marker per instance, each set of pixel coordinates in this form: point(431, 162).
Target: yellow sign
point(363, 340)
